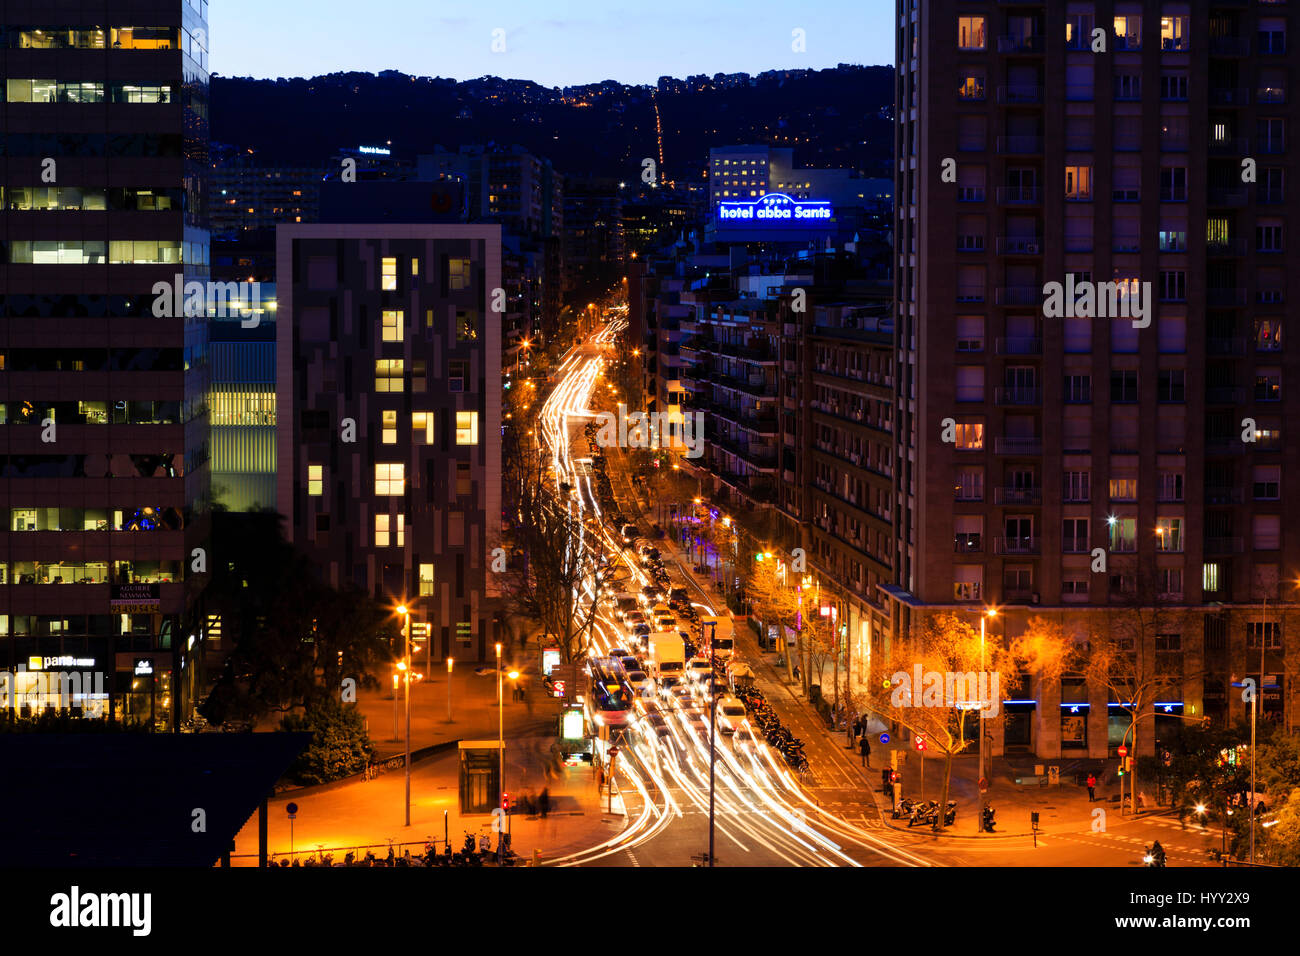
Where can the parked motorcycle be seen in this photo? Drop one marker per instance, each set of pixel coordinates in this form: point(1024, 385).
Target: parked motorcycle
point(1155, 855)
point(987, 823)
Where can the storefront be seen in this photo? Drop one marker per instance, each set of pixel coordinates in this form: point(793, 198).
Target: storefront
point(64, 683)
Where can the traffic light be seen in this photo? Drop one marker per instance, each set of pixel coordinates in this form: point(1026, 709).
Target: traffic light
point(893, 776)
point(505, 802)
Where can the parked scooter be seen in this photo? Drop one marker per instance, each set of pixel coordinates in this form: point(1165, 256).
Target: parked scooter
point(1155, 855)
point(988, 822)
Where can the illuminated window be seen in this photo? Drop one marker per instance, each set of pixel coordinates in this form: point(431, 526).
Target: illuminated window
point(1128, 32)
point(389, 436)
point(458, 273)
point(1174, 33)
point(466, 325)
point(388, 270)
point(1123, 489)
point(315, 480)
point(390, 479)
point(393, 321)
point(1078, 182)
point(970, 436)
point(1210, 577)
point(422, 427)
point(426, 580)
point(389, 374)
point(381, 531)
point(467, 428)
point(401, 531)
point(415, 266)
point(1169, 534)
point(970, 33)
point(1123, 534)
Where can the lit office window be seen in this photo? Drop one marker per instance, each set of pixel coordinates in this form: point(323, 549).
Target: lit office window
point(426, 580)
point(389, 374)
point(389, 434)
point(390, 479)
point(467, 428)
point(401, 531)
point(422, 427)
point(382, 523)
point(388, 275)
point(315, 480)
point(415, 266)
point(393, 321)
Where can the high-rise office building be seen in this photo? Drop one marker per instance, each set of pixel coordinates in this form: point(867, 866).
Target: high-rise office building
point(103, 443)
point(389, 415)
point(1132, 415)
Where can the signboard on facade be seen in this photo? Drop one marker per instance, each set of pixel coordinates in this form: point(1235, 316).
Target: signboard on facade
point(135, 599)
point(777, 211)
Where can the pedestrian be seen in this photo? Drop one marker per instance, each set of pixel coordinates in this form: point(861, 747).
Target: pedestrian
point(544, 802)
point(600, 778)
point(865, 747)
point(1092, 787)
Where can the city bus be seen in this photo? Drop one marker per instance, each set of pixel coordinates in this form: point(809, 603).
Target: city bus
point(608, 700)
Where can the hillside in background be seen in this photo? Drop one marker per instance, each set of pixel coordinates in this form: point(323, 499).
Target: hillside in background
point(832, 118)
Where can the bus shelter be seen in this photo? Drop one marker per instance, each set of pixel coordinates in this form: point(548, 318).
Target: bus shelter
point(480, 775)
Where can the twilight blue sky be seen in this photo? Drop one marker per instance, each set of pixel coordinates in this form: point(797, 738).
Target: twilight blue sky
point(554, 42)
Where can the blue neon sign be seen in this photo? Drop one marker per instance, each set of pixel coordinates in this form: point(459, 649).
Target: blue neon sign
point(776, 209)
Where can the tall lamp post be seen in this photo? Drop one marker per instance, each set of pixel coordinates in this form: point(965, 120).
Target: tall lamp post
point(451, 661)
point(979, 723)
point(405, 668)
point(501, 736)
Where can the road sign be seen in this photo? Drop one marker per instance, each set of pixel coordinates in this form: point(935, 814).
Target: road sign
point(1123, 751)
point(984, 785)
point(884, 738)
point(292, 809)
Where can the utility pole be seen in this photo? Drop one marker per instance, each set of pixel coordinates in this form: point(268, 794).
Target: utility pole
point(1254, 710)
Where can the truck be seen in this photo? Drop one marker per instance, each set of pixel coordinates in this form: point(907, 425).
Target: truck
point(723, 639)
point(667, 653)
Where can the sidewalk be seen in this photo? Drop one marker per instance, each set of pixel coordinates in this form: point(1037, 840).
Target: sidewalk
point(372, 813)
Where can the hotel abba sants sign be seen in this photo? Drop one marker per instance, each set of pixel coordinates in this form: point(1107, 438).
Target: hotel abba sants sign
point(776, 211)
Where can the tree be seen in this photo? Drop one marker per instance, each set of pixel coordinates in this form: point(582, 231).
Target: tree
point(774, 602)
point(1279, 844)
point(339, 748)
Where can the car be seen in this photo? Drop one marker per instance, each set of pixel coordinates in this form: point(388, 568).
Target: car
point(640, 630)
point(629, 662)
point(681, 693)
point(697, 668)
point(666, 683)
point(640, 682)
point(650, 595)
point(712, 686)
point(633, 618)
point(648, 705)
point(746, 739)
point(619, 652)
point(666, 622)
point(731, 714)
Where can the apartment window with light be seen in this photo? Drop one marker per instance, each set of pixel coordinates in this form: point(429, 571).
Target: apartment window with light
point(1123, 534)
point(1210, 577)
point(1078, 183)
point(1268, 385)
point(388, 434)
point(422, 427)
point(315, 480)
point(969, 436)
point(384, 531)
point(970, 33)
point(1169, 534)
point(388, 274)
point(458, 273)
point(467, 428)
point(972, 86)
point(1128, 32)
point(1174, 34)
point(426, 580)
point(389, 374)
point(390, 478)
point(1123, 489)
point(392, 320)
point(1078, 31)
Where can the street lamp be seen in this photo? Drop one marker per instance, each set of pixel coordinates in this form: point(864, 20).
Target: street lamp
point(450, 663)
point(405, 667)
point(979, 717)
point(501, 737)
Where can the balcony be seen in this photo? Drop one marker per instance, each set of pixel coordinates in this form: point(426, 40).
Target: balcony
point(1018, 395)
point(1225, 297)
point(1019, 195)
point(968, 544)
point(1229, 46)
point(967, 293)
point(1017, 545)
point(1018, 497)
point(1019, 245)
point(1226, 247)
point(1220, 395)
point(1019, 145)
point(1229, 146)
point(1230, 96)
point(1019, 346)
point(1017, 446)
point(1017, 94)
point(1219, 196)
point(1019, 295)
point(1226, 346)
point(1224, 545)
point(1270, 94)
point(1217, 495)
point(1017, 43)
point(1223, 446)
